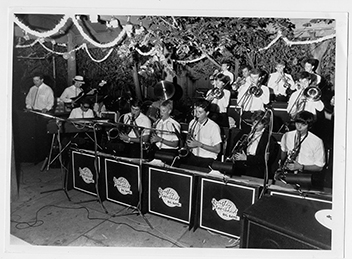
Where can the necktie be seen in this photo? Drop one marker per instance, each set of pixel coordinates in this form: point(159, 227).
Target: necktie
point(35, 97)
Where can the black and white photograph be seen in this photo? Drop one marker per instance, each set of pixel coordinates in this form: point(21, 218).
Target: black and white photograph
point(154, 129)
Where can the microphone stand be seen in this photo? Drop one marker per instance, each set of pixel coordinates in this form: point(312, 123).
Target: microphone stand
point(97, 171)
point(64, 184)
point(137, 209)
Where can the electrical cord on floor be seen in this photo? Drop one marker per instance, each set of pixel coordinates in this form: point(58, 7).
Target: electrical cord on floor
point(36, 223)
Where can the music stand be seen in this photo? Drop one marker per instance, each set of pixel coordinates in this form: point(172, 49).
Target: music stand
point(59, 124)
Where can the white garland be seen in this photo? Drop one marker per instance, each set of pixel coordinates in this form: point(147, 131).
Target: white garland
point(42, 34)
point(191, 61)
point(290, 43)
point(97, 60)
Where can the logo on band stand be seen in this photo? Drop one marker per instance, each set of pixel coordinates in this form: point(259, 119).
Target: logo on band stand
point(225, 208)
point(170, 197)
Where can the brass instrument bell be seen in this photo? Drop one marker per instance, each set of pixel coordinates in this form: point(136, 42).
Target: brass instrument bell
point(164, 90)
point(312, 93)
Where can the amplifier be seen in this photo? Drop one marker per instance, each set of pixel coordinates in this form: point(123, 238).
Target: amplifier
point(278, 222)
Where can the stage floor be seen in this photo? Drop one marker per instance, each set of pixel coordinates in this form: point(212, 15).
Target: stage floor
point(50, 219)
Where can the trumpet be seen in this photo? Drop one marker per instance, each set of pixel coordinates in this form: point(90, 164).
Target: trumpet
point(215, 93)
point(238, 83)
point(284, 78)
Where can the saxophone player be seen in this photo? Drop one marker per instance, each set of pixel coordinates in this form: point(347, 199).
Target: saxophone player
point(308, 149)
point(205, 140)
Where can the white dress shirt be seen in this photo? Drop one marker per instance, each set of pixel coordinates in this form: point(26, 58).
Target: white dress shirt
point(278, 86)
point(142, 121)
point(39, 98)
point(169, 126)
point(310, 105)
point(78, 113)
point(249, 102)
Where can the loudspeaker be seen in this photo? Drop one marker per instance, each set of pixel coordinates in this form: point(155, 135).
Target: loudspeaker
point(122, 182)
point(170, 194)
point(278, 222)
point(222, 204)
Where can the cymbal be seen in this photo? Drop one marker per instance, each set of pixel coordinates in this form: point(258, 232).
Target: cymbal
point(164, 90)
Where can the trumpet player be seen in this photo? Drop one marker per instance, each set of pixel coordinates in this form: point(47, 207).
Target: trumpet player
point(303, 100)
point(309, 154)
point(281, 83)
point(204, 139)
point(249, 156)
point(310, 66)
point(241, 80)
point(164, 137)
point(219, 99)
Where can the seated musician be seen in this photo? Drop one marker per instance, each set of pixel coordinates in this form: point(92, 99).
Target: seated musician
point(83, 111)
point(249, 153)
point(40, 96)
point(252, 96)
point(72, 91)
point(165, 140)
point(204, 139)
point(301, 150)
point(281, 83)
point(219, 99)
point(302, 100)
point(132, 136)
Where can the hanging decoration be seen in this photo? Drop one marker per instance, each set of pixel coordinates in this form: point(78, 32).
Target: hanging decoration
point(290, 43)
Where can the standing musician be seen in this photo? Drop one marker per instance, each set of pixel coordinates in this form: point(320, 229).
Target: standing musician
point(72, 91)
point(252, 96)
point(225, 69)
point(306, 98)
point(40, 96)
point(301, 150)
point(131, 138)
point(165, 140)
point(220, 100)
point(281, 83)
point(204, 139)
point(249, 153)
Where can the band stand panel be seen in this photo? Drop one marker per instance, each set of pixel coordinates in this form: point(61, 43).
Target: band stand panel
point(122, 182)
point(83, 172)
point(283, 222)
point(222, 204)
point(170, 194)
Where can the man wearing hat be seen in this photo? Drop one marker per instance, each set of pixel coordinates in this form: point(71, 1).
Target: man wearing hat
point(73, 90)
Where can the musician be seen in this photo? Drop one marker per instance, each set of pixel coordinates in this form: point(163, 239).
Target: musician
point(240, 81)
point(220, 100)
point(249, 155)
point(298, 101)
point(281, 83)
point(204, 139)
point(252, 96)
point(132, 137)
point(304, 149)
point(225, 69)
point(83, 111)
point(40, 96)
point(311, 66)
point(72, 91)
point(164, 140)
